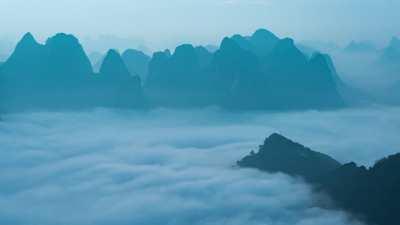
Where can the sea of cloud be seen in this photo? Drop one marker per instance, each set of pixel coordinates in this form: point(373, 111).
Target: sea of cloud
point(173, 167)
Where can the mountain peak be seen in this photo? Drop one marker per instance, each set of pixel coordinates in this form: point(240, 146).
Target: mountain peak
point(184, 49)
point(28, 37)
point(136, 62)
point(27, 40)
point(275, 137)
point(279, 154)
point(133, 52)
point(113, 65)
point(264, 33)
point(229, 45)
point(286, 50)
point(66, 56)
point(167, 52)
point(113, 54)
point(184, 55)
point(63, 40)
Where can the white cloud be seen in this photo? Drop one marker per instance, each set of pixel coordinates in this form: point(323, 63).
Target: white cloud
point(170, 167)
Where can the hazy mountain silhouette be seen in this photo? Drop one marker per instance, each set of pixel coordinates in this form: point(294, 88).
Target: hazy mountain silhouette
point(236, 71)
point(256, 72)
point(27, 58)
point(62, 58)
point(55, 75)
point(179, 79)
point(294, 81)
point(261, 43)
point(259, 71)
point(360, 47)
point(26, 77)
point(67, 58)
point(137, 62)
point(370, 194)
point(279, 154)
point(204, 56)
point(116, 86)
point(113, 67)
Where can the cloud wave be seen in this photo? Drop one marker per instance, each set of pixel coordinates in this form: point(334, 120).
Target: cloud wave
point(166, 167)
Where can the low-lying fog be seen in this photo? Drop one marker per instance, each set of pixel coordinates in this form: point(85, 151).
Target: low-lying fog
point(173, 167)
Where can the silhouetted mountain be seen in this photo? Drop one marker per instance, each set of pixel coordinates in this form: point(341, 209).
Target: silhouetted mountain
point(294, 81)
point(118, 88)
point(57, 75)
point(370, 194)
point(66, 58)
point(62, 58)
point(260, 43)
point(263, 41)
point(204, 56)
point(167, 52)
point(113, 67)
point(137, 62)
point(256, 72)
point(31, 78)
point(178, 79)
point(237, 75)
point(27, 58)
point(360, 47)
point(260, 71)
point(279, 154)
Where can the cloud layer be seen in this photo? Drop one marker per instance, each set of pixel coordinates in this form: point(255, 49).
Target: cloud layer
point(172, 167)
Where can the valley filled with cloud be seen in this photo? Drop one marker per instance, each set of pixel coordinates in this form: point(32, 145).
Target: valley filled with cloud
point(174, 167)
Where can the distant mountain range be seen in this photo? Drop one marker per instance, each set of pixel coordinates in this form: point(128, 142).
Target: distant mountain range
point(256, 72)
point(360, 47)
point(371, 194)
point(260, 71)
point(59, 75)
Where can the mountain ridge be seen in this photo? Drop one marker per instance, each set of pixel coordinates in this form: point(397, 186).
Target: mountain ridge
point(270, 74)
point(371, 194)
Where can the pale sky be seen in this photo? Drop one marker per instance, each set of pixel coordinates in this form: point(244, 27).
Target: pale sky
point(160, 24)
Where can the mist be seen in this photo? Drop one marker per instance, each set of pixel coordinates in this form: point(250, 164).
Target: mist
point(166, 24)
point(365, 71)
point(174, 167)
